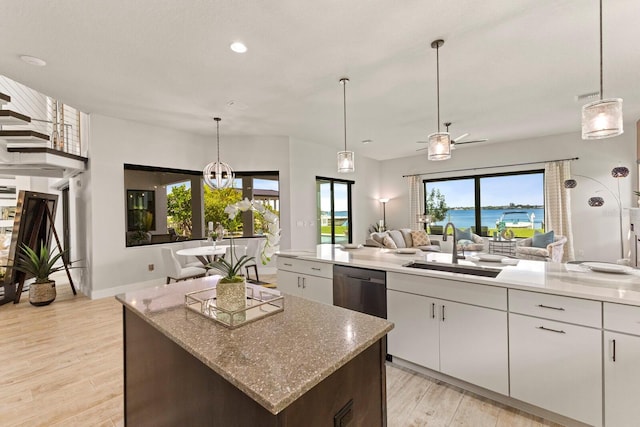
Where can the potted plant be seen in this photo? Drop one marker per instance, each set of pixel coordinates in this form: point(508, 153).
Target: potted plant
point(40, 264)
point(231, 291)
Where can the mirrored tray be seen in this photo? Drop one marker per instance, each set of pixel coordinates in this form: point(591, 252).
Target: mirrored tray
point(260, 304)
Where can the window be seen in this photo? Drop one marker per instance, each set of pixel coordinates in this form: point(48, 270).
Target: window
point(485, 203)
point(167, 205)
point(334, 210)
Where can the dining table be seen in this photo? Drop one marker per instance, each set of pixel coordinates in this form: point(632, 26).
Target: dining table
point(205, 254)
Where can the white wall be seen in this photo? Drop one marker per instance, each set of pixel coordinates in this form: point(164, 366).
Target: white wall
point(595, 230)
point(101, 212)
point(309, 160)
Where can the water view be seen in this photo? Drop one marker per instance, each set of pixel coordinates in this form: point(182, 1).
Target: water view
point(466, 218)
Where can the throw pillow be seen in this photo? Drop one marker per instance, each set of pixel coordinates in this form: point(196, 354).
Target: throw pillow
point(463, 234)
point(540, 240)
point(389, 243)
point(406, 234)
point(420, 238)
point(379, 237)
point(398, 239)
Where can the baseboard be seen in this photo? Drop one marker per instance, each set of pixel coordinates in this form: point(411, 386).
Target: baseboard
point(111, 292)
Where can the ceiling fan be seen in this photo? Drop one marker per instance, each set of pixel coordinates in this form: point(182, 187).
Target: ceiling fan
point(454, 142)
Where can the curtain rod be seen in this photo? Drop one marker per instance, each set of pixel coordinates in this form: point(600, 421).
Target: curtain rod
point(491, 167)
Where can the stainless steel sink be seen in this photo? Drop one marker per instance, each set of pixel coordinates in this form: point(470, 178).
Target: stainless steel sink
point(462, 269)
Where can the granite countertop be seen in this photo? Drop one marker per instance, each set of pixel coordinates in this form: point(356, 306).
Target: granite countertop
point(274, 360)
point(556, 278)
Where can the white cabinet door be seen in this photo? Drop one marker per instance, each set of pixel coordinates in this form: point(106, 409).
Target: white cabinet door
point(557, 366)
point(473, 345)
point(415, 335)
point(317, 288)
point(289, 283)
point(621, 379)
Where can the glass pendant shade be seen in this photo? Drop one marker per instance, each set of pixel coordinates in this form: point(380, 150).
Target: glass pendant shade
point(439, 146)
point(346, 163)
point(595, 202)
point(218, 175)
point(620, 172)
point(602, 119)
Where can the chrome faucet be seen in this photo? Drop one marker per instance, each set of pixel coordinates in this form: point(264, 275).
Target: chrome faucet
point(454, 250)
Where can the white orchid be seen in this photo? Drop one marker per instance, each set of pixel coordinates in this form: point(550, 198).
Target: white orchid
point(272, 233)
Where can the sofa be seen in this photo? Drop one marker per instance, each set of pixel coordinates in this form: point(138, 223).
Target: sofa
point(552, 252)
point(469, 241)
point(403, 238)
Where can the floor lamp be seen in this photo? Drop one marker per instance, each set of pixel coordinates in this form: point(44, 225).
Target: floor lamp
point(596, 201)
point(384, 213)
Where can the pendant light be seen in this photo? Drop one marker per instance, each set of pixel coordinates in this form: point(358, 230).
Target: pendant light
point(218, 174)
point(345, 158)
point(439, 142)
point(602, 118)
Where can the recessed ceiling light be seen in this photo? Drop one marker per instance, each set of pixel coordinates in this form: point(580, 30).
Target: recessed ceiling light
point(32, 60)
point(238, 47)
point(366, 141)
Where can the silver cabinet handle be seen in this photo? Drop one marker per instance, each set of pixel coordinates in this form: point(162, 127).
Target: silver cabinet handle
point(299, 280)
point(316, 268)
point(558, 331)
point(551, 308)
point(304, 286)
point(287, 264)
point(614, 350)
point(433, 310)
point(443, 312)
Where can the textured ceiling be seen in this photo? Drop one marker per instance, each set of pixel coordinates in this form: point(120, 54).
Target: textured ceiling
point(510, 69)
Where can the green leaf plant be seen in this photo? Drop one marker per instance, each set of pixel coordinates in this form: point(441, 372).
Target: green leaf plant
point(231, 268)
point(40, 264)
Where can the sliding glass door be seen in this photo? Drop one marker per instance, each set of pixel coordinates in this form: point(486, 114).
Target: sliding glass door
point(334, 210)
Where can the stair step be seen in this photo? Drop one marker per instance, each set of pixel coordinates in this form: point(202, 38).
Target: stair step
point(9, 117)
point(24, 136)
point(4, 98)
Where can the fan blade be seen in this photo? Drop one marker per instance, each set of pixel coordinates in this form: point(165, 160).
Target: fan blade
point(460, 138)
point(422, 142)
point(471, 142)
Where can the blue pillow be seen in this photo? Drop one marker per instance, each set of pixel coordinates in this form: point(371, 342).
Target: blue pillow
point(463, 234)
point(540, 240)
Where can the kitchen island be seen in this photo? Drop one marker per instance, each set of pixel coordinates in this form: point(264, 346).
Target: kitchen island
point(308, 365)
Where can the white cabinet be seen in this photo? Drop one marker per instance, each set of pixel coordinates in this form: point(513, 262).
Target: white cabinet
point(473, 345)
point(414, 315)
point(555, 365)
point(308, 279)
point(462, 340)
point(621, 365)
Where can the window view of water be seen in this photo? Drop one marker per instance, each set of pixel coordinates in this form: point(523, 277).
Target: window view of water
point(467, 218)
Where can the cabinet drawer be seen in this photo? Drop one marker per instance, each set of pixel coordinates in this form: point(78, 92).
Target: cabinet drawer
point(312, 268)
point(452, 290)
point(555, 307)
point(622, 318)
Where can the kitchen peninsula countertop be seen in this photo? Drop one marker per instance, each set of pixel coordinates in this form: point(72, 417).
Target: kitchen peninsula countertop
point(274, 360)
point(538, 276)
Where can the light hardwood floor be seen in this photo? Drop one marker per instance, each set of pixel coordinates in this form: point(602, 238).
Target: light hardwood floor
point(62, 366)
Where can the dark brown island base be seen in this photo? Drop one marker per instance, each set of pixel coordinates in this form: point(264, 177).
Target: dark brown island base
point(310, 365)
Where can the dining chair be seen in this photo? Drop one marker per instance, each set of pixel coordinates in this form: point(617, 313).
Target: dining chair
point(189, 261)
point(254, 248)
point(175, 271)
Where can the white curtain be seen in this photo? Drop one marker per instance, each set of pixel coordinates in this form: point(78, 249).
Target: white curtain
point(415, 203)
point(558, 203)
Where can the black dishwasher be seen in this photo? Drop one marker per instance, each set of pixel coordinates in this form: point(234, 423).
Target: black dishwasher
point(360, 289)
